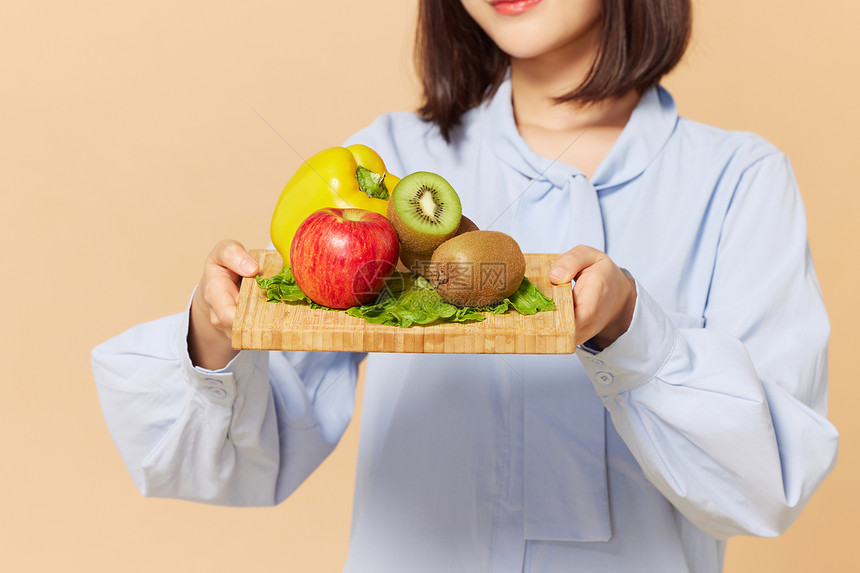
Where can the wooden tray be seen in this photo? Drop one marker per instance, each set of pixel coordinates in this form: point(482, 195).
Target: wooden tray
point(261, 325)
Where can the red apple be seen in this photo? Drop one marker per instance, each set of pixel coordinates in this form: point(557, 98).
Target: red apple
point(343, 257)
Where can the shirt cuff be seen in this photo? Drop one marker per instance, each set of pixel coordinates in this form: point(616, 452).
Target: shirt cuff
point(217, 386)
point(637, 355)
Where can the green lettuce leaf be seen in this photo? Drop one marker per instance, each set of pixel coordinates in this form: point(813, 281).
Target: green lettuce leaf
point(409, 299)
point(283, 288)
point(528, 299)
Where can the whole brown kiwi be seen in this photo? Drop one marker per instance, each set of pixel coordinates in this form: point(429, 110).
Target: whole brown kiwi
point(477, 268)
point(416, 262)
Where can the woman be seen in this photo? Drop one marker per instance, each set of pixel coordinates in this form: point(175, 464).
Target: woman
point(694, 408)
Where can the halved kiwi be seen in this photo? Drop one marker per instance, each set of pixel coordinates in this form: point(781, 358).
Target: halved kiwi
point(425, 211)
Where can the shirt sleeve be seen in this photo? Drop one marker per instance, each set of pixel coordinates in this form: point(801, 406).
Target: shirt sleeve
point(726, 413)
point(246, 435)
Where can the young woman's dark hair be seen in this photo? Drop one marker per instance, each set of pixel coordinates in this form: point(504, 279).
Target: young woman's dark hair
point(460, 66)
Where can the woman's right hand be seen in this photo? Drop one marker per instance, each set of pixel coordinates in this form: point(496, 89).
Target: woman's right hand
point(214, 304)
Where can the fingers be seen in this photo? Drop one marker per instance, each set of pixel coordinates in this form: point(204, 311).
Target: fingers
point(588, 294)
point(603, 296)
point(214, 304)
point(226, 264)
point(221, 296)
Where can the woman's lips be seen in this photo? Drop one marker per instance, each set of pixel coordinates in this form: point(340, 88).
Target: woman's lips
point(513, 7)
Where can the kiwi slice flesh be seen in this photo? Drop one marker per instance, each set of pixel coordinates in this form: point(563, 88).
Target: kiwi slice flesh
point(477, 268)
point(425, 211)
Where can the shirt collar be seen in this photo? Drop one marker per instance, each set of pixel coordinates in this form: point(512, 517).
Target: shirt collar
point(650, 125)
point(647, 131)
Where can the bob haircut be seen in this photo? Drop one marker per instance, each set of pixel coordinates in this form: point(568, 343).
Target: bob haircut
point(460, 66)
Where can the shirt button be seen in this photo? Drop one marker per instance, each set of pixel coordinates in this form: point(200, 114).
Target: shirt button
point(219, 393)
point(604, 378)
point(595, 361)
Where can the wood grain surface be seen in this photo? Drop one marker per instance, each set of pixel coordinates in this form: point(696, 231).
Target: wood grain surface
point(261, 325)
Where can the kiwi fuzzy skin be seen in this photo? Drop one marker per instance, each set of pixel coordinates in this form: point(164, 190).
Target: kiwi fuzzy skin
point(471, 251)
point(415, 261)
point(466, 225)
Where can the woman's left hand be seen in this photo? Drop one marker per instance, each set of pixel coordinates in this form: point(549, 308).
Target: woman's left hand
point(603, 296)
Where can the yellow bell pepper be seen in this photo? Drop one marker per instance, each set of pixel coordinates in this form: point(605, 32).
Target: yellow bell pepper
point(342, 177)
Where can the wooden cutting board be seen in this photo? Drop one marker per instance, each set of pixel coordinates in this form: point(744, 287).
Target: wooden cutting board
point(261, 325)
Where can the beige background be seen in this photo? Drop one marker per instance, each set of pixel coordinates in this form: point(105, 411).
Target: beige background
point(132, 138)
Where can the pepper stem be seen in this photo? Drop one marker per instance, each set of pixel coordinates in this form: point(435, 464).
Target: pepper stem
point(371, 183)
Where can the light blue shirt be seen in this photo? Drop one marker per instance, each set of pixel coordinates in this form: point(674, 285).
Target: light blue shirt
point(706, 419)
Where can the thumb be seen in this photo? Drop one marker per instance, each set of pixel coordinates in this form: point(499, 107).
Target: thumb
point(569, 265)
point(232, 256)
